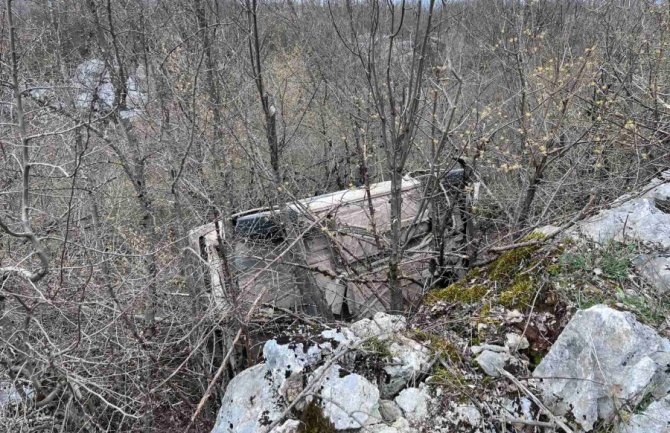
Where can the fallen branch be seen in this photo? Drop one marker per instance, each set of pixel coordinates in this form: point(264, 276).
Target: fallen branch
point(214, 380)
point(558, 421)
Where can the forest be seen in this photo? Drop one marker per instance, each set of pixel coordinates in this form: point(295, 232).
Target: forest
point(125, 124)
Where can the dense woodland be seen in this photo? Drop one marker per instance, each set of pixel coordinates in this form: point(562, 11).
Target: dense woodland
point(124, 124)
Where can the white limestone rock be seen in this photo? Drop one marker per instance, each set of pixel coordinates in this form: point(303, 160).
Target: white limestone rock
point(340, 336)
point(656, 271)
point(381, 326)
point(515, 342)
point(409, 358)
point(401, 425)
point(414, 403)
point(638, 219)
point(250, 403)
point(290, 426)
point(602, 359)
point(469, 415)
point(491, 361)
point(349, 400)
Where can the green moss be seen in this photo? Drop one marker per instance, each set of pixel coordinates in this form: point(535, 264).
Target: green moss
point(449, 378)
point(519, 294)
point(509, 263)
point(473, 274)
point(312, 420)
point(554, 269)
point(535, 358)
point(532, 236)
point(459, 292)
point(378, 347)
point(439, 344)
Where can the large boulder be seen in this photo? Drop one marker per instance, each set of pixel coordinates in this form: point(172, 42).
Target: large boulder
point(638, 219)
point(603, 360)
point(250, 402)
point(644, 219)
point(348, 391)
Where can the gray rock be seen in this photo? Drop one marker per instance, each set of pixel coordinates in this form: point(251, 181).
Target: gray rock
point(602, 359)
point(409, 359)
point(349, 400)
point(638, 219)
point(515, 342)
point(490, 361)
point(656, 271)
point(654, 419)
point(468, 414)
point(290, 426)
point(389, 410)
point(340, 336)
point(414, 403)
point(250, 402)
point(476, 350)
point(381, 326)
point(401, 425)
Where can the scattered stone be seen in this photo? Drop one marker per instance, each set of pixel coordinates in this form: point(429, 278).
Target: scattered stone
point(290, 426)
point(490, 362)
point(514, 316)
point(389, 410)
point(414, 403)
point(656, 271)
point(469, 414)
point(381, 326)
point(603, 360)
point(516, 342)
point(547, 230)
point(490, 347)
point(399, 426)
point(409, 359)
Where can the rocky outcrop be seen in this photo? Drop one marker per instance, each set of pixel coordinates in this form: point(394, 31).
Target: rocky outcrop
point(644, 219)
point(345, 371)
point(478, 352)
point(603, 361)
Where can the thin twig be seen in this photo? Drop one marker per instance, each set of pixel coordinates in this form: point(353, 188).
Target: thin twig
point(559, 422)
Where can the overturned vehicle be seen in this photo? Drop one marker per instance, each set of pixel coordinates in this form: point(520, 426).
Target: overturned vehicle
point(328, 255)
